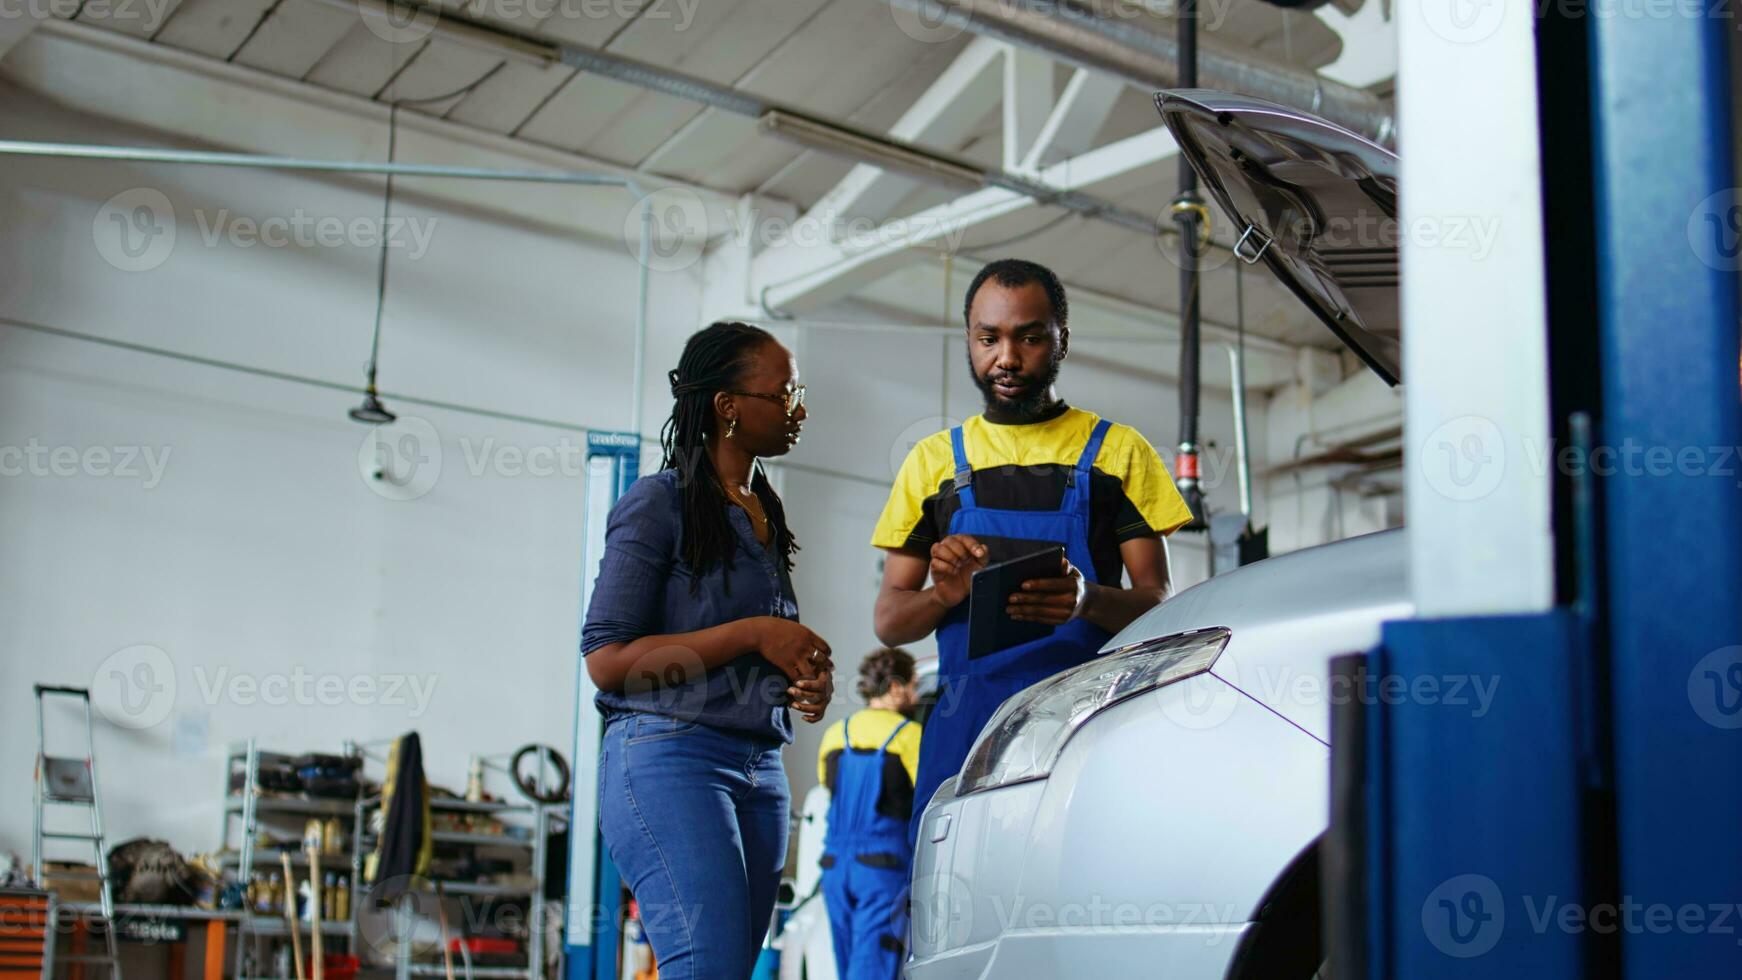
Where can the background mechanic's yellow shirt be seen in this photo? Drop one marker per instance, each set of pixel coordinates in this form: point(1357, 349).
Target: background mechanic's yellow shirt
point(900, 762)
point(1023, 467)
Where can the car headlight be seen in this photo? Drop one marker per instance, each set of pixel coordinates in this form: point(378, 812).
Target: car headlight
point(1024, 738)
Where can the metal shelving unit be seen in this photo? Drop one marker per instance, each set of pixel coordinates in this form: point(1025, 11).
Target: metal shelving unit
point(540, 821)
point(251, 806)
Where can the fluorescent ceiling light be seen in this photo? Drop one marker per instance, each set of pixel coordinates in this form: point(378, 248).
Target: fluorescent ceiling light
point(883, 153)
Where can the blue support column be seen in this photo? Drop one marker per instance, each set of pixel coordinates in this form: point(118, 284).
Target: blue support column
point(1473, 817)
point(1668, 250)
point(591, 935)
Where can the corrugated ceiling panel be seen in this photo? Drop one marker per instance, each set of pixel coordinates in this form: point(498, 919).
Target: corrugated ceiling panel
point(724, 151)
point(136, 17)
point(295, 36)
point(584, 105)
point(720, 42)
point(363, 62)
point(510, 96)
point(213, 27)
point(440, 69)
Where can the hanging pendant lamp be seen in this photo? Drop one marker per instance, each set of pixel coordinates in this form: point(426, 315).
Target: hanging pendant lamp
point(372, 412)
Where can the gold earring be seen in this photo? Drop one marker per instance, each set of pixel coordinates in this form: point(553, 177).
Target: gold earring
point(731, 427)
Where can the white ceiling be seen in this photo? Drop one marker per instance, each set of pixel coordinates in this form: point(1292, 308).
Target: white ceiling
point(845, 60)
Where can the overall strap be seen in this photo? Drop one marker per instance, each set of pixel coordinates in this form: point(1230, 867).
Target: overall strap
point(847, 733)
point(964, 472)
point(891, 738)
point(1093, 447)
point(1077, 481)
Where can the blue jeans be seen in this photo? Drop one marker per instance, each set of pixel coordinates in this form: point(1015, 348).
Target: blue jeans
point(695, 818)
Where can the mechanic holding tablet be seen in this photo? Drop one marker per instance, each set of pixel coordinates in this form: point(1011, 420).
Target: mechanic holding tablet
point(1027, 474)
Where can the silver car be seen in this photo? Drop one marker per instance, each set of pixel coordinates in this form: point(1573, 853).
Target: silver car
point(1157, 811)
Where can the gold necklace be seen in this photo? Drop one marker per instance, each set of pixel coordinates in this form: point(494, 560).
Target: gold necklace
point(744, 501)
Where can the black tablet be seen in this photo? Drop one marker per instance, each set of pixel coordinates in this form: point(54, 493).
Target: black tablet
point(989, 628)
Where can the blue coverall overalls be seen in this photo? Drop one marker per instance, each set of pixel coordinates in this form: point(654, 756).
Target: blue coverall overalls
point(970, 690)
point(866, 856)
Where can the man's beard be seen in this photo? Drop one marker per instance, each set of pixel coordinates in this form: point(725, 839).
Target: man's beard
point(1036, 400)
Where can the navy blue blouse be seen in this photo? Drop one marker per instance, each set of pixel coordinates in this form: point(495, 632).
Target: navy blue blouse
point(643, 589)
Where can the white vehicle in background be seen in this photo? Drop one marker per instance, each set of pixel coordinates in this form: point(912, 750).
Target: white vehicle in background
point(1158, 811)
point(806, 946)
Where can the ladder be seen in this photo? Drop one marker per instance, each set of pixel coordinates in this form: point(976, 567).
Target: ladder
point(71, 781)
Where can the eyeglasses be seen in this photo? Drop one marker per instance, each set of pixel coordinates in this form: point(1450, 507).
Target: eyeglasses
point(790, 399)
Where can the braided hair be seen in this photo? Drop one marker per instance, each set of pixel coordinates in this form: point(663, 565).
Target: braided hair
point(715, 359)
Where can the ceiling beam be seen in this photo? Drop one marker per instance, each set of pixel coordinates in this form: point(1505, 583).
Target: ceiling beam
point(796, 276)
point(953, 104)
point(1150, 60)
point(1082, 109)
point(1369, 36)
point(1028, 102)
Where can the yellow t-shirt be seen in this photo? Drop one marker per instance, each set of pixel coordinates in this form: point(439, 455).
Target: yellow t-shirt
point(900, 762)
point(1023, 467)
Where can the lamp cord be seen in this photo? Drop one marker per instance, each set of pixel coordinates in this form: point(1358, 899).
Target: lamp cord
point(381, 271)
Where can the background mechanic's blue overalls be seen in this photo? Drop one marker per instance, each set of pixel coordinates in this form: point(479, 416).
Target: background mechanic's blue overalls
point(866, 856)
point(969, 691)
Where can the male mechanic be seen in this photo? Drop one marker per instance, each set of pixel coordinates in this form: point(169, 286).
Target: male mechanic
point(868, 762)
point(1028, 472)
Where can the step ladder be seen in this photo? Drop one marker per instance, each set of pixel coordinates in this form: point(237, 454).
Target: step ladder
point(71, 781)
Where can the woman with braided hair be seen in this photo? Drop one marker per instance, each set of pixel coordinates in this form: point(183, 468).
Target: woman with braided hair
point(693, 641)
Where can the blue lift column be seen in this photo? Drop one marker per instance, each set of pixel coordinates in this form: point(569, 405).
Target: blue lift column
point(1473, 826)
point(590, 934)
point(1668, 247)
point(1590, 824)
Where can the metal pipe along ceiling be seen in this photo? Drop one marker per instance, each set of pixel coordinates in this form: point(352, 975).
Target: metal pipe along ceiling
point(1151, 60)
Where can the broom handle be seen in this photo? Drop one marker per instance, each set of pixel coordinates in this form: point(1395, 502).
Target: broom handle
point(442, 913)
point(314, 902)
point(290, 915)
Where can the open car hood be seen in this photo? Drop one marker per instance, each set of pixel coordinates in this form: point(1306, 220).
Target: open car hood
point(1313, 201)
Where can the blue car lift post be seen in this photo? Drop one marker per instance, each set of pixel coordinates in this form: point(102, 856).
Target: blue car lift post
point(1590, 824)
